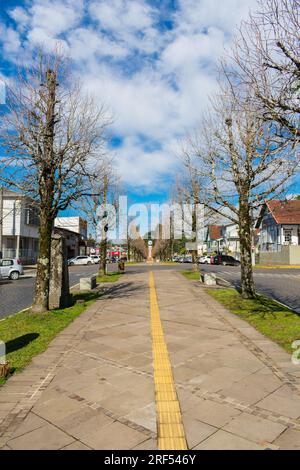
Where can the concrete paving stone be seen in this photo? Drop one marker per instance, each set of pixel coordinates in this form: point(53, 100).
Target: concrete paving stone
point(76, 445)
point(255, 428)
point(283, 401)
point(47, 437)
point(137, 361)
point(145, 417)
point(56, 408)
point(97, 392)
point(195, 431)
point(30, 423)
point(254, 387)
point(289, 440)
point(6, 406)
point(223, 440)
point(212, 413)
point(83, 422)
point(122, 403)
point(149, 444)
point(115, 436)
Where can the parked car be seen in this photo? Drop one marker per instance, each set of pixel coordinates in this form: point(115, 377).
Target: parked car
point(188, 259)
point(204, 259)
point(81, 260)
point(96, 258)
point(226, 260)
point(11, 268)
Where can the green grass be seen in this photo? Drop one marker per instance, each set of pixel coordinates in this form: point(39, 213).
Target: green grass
point(109, 277)
point(269, 317)
point(28, 334)
point(191, 275)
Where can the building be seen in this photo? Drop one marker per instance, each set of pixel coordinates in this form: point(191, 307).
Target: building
point(279, 224)
point(213, 239)
point(73, 224)
point(19, 227)
point(231, 240)
point(74, 244)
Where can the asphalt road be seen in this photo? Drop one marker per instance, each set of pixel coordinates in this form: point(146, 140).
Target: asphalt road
point(280, 284)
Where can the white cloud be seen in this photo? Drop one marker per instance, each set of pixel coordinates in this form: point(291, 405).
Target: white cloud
point(155, 80)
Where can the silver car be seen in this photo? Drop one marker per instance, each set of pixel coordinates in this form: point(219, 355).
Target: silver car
point(81, 260)
point(11, 268)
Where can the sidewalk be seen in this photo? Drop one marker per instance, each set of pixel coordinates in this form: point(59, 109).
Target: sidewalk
point(94, 386)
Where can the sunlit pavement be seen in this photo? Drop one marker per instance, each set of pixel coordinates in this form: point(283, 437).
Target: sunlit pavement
point(95, 387)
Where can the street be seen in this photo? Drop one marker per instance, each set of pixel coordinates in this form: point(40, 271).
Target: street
point(280, 284)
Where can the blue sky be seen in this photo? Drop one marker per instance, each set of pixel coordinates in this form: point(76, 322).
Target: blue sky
point(152, 63)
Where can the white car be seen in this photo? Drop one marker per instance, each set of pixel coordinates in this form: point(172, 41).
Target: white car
point(11, 268)
point(81, 260)
point(96, 259)
point(205, 260)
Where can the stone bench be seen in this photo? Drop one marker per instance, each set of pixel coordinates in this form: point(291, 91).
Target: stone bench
point(88, 283)
point(209, 279)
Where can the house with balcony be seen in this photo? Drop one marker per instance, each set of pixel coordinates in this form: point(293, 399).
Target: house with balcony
point(20, 235)
point(279, 224)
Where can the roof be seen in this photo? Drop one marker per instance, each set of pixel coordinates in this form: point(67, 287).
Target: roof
point(285, 212)
point(215, 232)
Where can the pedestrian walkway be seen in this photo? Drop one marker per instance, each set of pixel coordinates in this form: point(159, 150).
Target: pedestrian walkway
point(98, 386)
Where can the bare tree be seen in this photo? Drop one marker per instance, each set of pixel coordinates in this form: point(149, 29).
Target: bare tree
point(104, 189)
point(137, 244)
point(53, 135)
point(242, 163)
point(267, 56)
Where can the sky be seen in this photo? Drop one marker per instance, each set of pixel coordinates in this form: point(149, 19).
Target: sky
point(151, 63)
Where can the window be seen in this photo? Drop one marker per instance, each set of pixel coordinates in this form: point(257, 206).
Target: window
point(287, 236)
point(6, 262)
point(31, 215)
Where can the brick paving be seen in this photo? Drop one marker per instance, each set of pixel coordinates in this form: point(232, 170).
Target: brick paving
point(94, 388)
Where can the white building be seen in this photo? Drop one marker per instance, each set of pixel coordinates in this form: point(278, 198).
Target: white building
point(73, 224)
point(19, 227)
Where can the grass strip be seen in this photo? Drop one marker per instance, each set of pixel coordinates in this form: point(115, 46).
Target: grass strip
point(272, 319)
point(28, 334)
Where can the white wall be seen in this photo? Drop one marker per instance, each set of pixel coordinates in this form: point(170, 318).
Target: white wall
point(14, 219)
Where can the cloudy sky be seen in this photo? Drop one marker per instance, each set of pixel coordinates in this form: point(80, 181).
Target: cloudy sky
point(153, 63)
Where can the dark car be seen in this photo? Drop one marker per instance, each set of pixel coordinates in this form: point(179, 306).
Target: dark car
point(226, 260)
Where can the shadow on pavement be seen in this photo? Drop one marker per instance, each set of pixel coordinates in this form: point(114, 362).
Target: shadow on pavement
point(124, 289)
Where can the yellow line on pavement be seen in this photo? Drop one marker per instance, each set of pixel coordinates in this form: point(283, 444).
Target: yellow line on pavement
point(170, 430)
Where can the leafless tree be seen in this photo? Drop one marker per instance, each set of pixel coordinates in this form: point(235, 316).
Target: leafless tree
point(267, 59)
point(138, 246)
point(53, 134)
point(104, 190)
point(242, 163)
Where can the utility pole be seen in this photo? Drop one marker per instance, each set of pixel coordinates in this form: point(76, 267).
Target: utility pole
point(1, 220)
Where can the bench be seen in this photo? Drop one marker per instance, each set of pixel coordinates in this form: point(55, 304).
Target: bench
point(88, 283)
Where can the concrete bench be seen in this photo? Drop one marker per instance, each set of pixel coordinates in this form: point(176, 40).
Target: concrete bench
point(209, 279)
point(88, 283)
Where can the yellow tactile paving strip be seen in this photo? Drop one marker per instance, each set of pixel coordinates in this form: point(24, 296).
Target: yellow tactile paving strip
point(170, 430)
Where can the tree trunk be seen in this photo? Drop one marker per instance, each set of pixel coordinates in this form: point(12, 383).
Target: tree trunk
point(102, 264)
point(41, 297)
point(247, 283)
point(194, 261)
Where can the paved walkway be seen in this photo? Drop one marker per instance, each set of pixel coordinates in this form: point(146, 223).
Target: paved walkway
point(95, 388)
